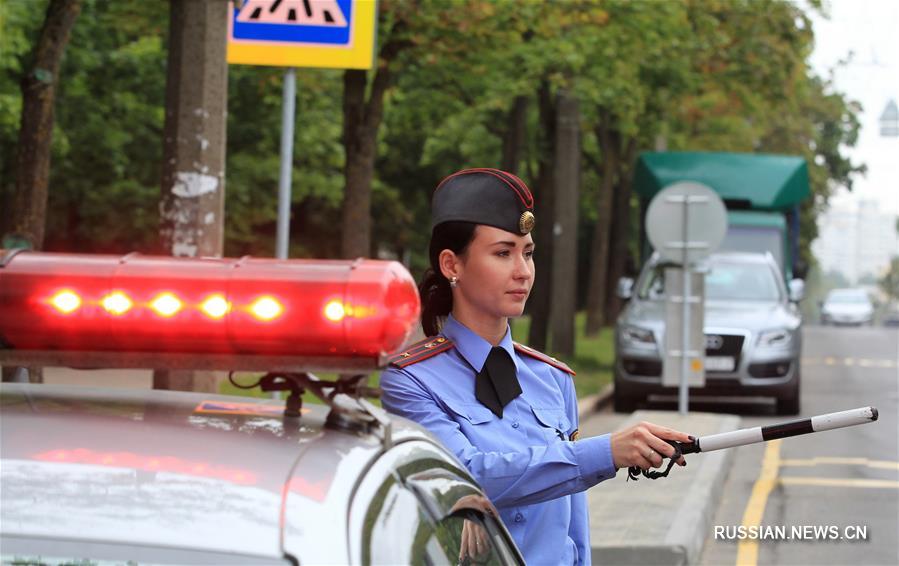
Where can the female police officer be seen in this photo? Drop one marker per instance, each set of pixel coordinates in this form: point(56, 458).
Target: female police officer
point(508, 412)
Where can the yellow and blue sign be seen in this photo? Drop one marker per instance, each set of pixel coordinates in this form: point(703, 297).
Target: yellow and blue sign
point(331, 34)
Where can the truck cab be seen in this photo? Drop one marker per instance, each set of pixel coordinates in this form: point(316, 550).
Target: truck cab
point(762, 193)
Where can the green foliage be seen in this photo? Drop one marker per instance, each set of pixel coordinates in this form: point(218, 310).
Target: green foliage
point(706, 74)
point(889, 283)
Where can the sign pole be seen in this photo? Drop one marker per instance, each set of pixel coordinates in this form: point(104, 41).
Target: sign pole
point(288, 112)
point(683, 391)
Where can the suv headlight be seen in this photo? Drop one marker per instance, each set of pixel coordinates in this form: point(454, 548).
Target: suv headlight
point(635, 336)
point(778, 338)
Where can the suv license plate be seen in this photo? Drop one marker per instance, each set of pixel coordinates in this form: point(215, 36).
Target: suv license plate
point(720, 363)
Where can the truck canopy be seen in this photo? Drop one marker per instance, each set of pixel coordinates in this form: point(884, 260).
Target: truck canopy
point(743, 180)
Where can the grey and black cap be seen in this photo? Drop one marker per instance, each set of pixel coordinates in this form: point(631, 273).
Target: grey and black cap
point(484, 196)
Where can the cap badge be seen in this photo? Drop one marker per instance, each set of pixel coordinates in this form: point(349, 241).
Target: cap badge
point(526, 222)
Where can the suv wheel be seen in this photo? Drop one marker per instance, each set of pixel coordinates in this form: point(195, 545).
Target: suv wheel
point(623, 404)
point(790, 405)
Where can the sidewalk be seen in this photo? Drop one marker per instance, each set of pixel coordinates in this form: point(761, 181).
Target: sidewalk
point(663, 521)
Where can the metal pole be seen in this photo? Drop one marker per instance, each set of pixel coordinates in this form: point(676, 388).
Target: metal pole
point(288, 111)
point(685, 335)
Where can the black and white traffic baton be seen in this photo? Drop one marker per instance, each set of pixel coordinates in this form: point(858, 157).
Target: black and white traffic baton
point(753, 435)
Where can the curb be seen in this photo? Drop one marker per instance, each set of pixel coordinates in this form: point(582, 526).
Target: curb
point(664, 522)
point(590, 404)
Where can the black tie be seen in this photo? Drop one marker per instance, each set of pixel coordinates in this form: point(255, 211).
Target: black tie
point(497, 383)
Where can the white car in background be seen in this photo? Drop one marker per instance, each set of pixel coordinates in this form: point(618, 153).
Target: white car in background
point(847, 306)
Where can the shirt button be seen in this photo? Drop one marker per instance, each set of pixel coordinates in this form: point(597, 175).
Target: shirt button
point(515, 424)
point(519, 517)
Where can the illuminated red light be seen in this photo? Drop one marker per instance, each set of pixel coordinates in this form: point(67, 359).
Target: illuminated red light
point(72, 303)
point(117, 303)
point(266, 308)
point(335, 311)
point(66, 301)
point(216, 306)
point(166, 304)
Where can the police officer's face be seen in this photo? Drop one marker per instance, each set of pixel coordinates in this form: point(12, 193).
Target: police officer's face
point(497, 272)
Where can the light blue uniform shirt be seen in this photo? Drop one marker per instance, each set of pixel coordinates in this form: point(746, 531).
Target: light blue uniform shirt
point(525, 462)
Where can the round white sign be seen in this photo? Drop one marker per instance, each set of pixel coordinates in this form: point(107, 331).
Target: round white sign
point(686, 222)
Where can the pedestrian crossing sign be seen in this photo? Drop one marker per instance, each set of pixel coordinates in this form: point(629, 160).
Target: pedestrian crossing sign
point(332, 34)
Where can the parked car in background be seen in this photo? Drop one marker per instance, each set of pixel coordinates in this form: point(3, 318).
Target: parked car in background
point(851, 307)
point(752, 330)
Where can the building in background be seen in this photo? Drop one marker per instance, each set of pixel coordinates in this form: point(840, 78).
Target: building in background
point(856, 241)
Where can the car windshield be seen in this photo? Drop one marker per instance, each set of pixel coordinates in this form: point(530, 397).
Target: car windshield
point(731, 281)
point(848, 296)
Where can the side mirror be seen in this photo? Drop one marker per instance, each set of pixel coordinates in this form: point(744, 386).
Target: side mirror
point(797, 290)
point(625, 288)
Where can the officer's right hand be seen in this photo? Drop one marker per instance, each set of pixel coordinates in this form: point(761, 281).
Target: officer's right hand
point(643, 445)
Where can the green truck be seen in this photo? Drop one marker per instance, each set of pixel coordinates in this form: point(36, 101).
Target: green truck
point(762, 193)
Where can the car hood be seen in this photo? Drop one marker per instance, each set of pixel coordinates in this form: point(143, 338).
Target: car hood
point(744, 315)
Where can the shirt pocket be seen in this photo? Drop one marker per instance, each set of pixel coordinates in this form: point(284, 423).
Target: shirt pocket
point(474, 413)
point(553, 422)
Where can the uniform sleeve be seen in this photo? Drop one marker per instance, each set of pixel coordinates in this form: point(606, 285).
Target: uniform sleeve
point(520, 476)
point(579, 526)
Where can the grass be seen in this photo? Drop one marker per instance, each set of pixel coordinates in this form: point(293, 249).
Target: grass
point(593, 356)
point(593, 361)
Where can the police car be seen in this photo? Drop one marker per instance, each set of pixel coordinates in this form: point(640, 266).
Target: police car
point(114, 475)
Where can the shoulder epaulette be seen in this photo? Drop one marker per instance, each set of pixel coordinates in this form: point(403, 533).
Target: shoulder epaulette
point(527, 351)
point(420, 351)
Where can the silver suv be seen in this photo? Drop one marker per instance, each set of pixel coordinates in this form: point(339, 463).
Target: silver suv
point(752, 329)
point(140, 476)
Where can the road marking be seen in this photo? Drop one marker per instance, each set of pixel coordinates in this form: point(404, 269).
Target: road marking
point(861, 362)
point(839, 482)
point(748, 549)
point(882, 464)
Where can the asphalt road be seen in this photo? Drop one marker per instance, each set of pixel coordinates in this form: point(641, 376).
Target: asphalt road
point(825, 498)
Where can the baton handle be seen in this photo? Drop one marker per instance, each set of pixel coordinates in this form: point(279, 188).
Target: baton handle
point(797, 427)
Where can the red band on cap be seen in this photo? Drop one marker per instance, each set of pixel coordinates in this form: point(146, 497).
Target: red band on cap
point(521, 190)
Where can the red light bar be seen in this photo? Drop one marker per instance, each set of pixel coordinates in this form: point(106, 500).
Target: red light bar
point(53, 302)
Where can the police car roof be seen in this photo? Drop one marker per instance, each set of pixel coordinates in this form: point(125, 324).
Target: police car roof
point(190, 472)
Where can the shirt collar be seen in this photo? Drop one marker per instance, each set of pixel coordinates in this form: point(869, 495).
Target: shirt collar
point(472, 347)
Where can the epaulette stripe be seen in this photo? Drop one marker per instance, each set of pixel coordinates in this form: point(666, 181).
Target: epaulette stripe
point(421, 356)
point(543, 358)
point(414, 348)
point(421, 350)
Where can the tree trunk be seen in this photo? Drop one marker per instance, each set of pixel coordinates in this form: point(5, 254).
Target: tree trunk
point(193, 171)
point(538, 303)
point(621, 215)
point(608, 140)
point(193, 168)
point(564, 257)
point(361, 121)
point(32, 168)
point(359, 144)
point(515, 135)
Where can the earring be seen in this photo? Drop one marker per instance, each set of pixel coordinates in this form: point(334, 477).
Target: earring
point(453, 281)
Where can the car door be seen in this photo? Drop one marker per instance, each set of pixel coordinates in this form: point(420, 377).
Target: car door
point(415, 505)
